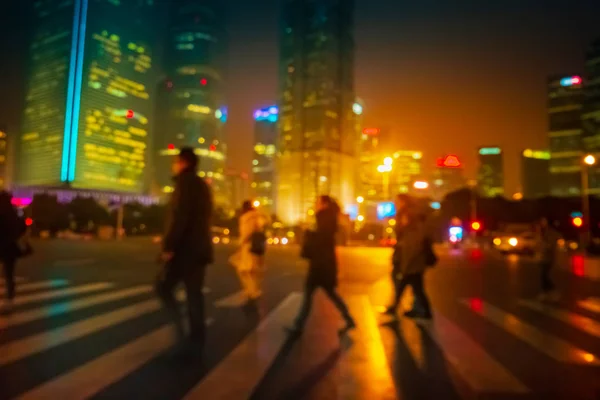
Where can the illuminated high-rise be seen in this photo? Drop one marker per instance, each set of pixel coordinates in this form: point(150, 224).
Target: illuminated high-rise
point(490, 177)
point(590, 115)
point(318, 139)
point(88, 106)
point(263, 163)
point(190, 108)
point(565, 98)
point(535, 175)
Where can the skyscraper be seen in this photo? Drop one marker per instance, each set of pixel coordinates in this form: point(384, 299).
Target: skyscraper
point(448, 177)
point(190, 109)
point(491, 171)
point(565, 98)
point(535, 175)
point(590, 116)
point(318, 138)
point(263, 164)
point(88, 107)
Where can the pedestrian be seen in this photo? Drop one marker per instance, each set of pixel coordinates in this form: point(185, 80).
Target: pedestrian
point(249, 259)
point(319, 249)
point(548, 244)
point(187, 250)
point(416, 256)
point(12, 228)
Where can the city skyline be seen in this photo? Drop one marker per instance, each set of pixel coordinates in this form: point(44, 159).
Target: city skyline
point(509, 82)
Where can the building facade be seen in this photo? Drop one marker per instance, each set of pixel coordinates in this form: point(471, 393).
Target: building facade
point(535, 173)
point(318, 138)
point(590, 116)
point(448, 177)
point(264, 179)
point(4, 170)
point(88, 107)
point(490, 177)
point(565, 99)
point(191, 97)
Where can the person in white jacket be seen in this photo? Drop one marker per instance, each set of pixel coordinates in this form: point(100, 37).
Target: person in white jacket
point(250, 266)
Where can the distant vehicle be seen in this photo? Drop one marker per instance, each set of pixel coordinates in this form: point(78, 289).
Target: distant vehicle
point(516, 239)
point(387, 242)
point(455, 236)
point(220, 235)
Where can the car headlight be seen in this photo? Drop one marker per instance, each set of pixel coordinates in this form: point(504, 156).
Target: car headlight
point(513, 241)
point(497, 241)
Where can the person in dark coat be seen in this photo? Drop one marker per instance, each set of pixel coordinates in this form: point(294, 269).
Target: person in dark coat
point(187, 247)
point(322, 272)
point(11, 230)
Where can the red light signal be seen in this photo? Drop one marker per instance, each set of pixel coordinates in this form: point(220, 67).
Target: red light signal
point(371, 131)
point(203, 81)
point(129, 114)
point(578, 222)
point(28, 221)
point(212, 147)
point(449, 162)
point(171, 146)
point(476, 226)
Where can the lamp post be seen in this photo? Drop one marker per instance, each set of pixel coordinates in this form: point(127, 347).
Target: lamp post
point(588, 161)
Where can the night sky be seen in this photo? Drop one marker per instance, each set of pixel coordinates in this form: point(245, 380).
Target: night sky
point(445, 78)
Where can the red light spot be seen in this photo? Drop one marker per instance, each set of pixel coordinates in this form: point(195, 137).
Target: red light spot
point(451, 162)
point(212, 147)
point(476, 305)
point(578, 222)
point(169, 84)
point(203, 81)
point(129, 114)
point(476, 254)
point(371, 131)
point(576, 80)
point(578, 264)
point(208, 181)
point(28, 221)
point(171, 146)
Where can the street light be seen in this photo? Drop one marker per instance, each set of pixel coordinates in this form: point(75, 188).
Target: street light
point(588, 161)
point(421, 185)
point(360, 199)
point(388, 161)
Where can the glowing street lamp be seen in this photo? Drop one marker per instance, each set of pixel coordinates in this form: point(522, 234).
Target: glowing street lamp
point(360, 199)
point(360, 218)
point(256, 203)
point(421, 185)
point(388, 161)
point(589, 159)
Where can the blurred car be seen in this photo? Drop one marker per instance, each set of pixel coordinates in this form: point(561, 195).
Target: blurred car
point(220, 235)
point(516, 243)
point(387, 242)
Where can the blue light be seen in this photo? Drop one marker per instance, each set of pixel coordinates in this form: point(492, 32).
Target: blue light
point(79, 78)
point(70, 90)
point(436, 205)
point(570, 81)
point(386, 210)
point(352, 211)
point(457, 232)
point(576, 214)
point(267, 114)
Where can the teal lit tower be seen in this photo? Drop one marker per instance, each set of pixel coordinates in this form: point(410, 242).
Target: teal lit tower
point(191, 95)
point(88, 106)
point(264, 178)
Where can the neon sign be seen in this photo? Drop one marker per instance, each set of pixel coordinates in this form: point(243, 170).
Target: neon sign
point(570, 81)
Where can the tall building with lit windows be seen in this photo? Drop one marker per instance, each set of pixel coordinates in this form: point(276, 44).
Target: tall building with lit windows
point(88, 107)
point(264, 179)
point(490, 177)
point(318, 139)
point(191, 97)
point(535, 174)
point(590, 115)
point(565, 99)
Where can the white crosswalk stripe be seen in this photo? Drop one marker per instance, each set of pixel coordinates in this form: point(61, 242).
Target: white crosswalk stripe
point(554, 347)
point(580, 322)
point(62, 293)
point(592, 304)
point(27, 287)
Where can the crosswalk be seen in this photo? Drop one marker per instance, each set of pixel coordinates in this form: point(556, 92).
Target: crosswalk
point(54, 315)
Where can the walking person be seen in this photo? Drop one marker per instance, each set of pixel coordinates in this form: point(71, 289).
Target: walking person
point(187, 250)
point(249, 260)
point(549, 238)
point(415, 258)
point(322, 272)
point(12, 228)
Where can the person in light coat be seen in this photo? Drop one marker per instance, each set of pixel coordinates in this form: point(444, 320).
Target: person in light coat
point(249, 266)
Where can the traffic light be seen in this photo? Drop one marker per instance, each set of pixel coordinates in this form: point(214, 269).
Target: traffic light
point(129, 114)
point(577, 222)
point(476, 226)
point(28, 221)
